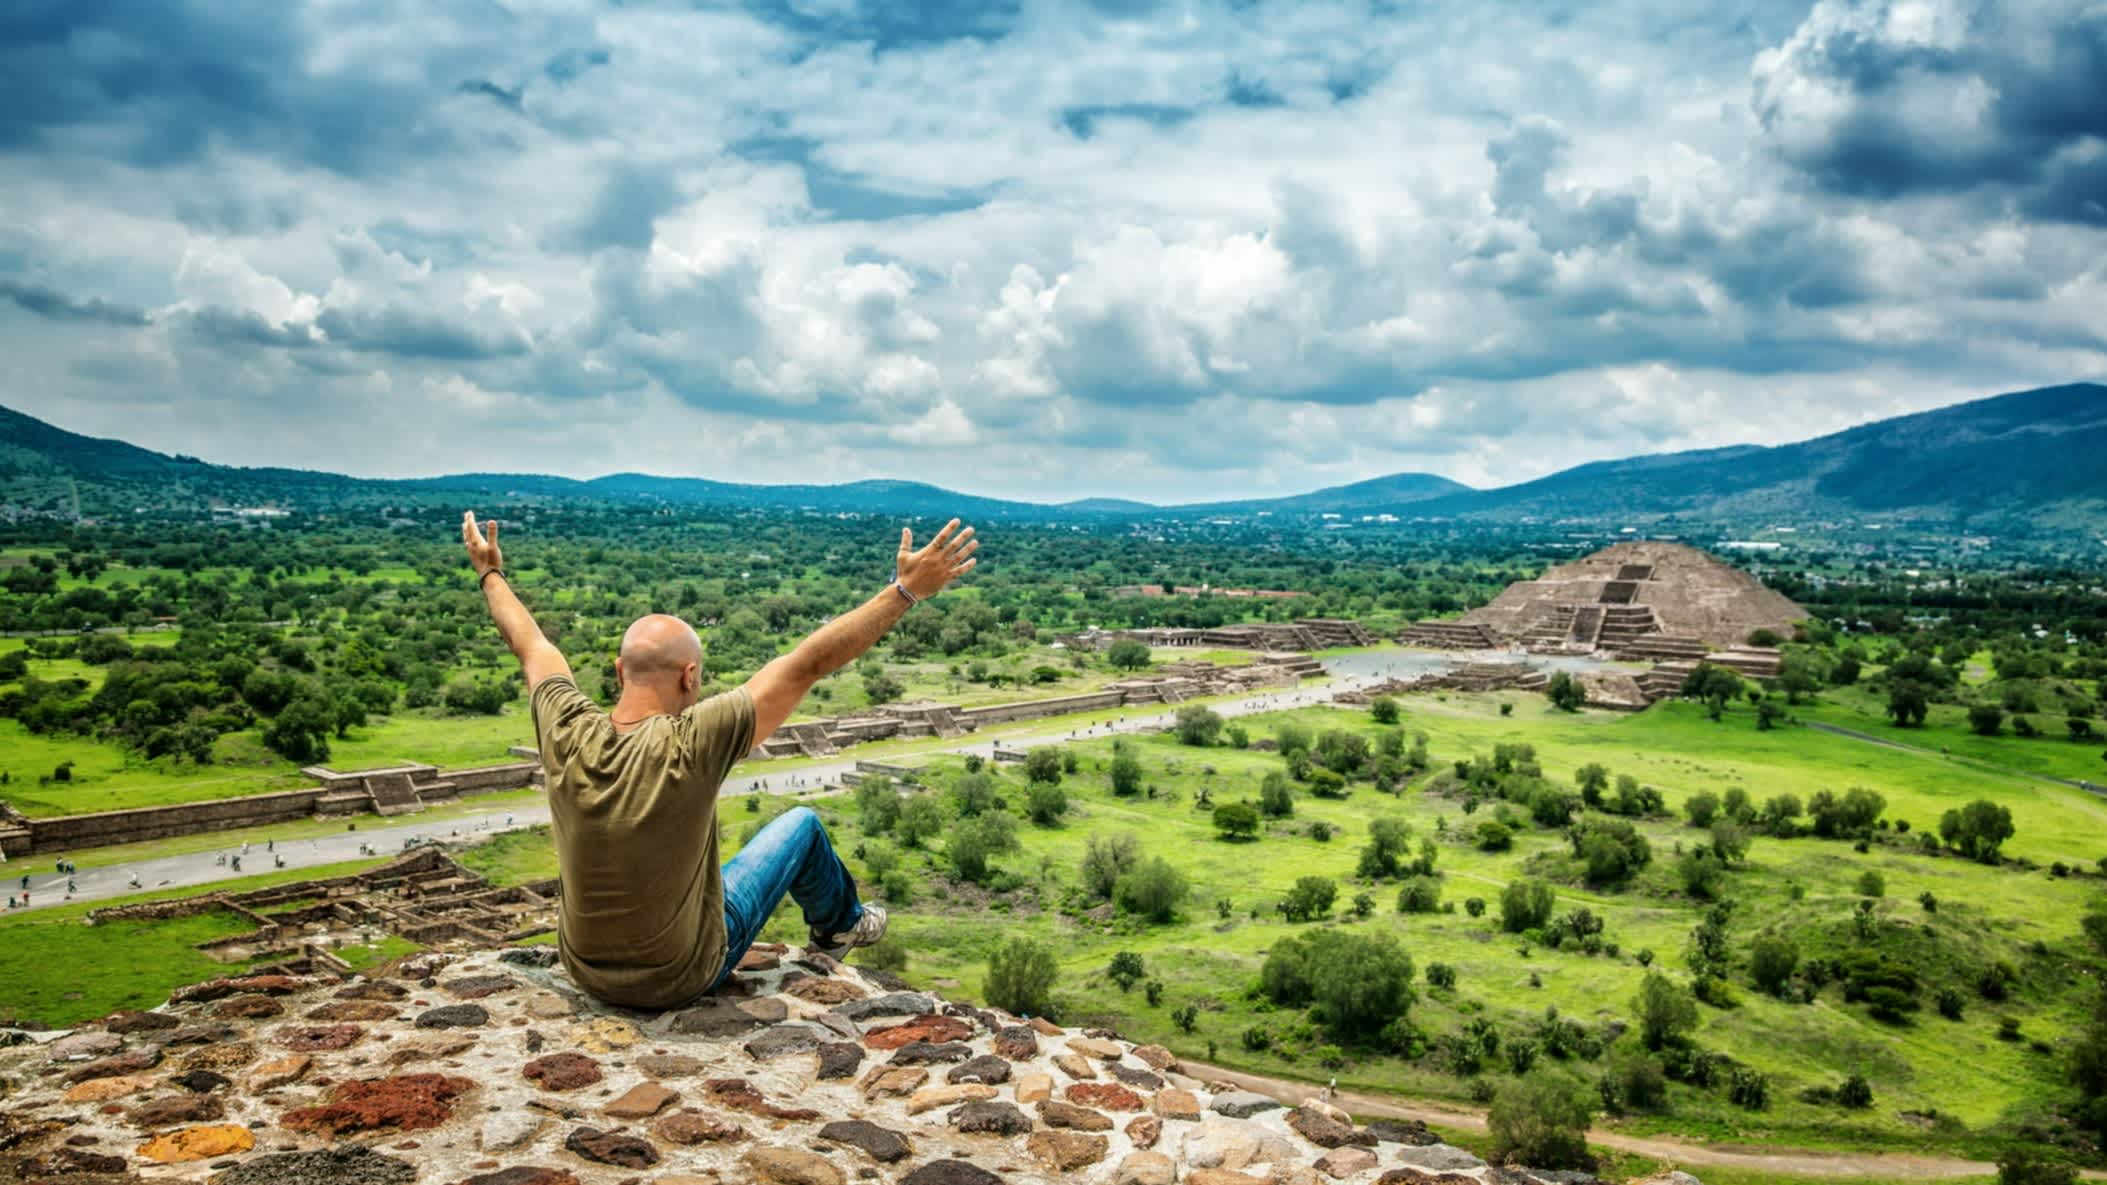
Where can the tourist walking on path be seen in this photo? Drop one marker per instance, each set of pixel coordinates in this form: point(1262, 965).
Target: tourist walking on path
point(647, 917)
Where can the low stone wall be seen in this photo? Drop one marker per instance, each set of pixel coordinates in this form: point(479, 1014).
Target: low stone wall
point(1033, 709)
point(104, 828)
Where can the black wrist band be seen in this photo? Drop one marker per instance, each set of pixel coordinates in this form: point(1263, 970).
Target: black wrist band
point(483, 581)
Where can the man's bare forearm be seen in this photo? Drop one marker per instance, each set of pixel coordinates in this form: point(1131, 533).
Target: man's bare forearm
point(844, 639)
point(514, 623)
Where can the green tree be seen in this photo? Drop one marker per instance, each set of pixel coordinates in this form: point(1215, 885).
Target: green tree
point(1045, 803)
point(1389, 839)
point(1986, 720)
point(300, 732)
point(1701, 808)
point(1197, 725)
point(1908, 703)
point(1592, 778)
point(1043, 765)
point(920, 819)
point(1127, 655)
point(1358, 983)
point(1977, 830)
point(1126, 970)
point(1383, 710)
point(1772, 960)
point(1667, 1013)
point(1152, 889)
point(1276, 798)
point(1715, 686)
point(2025, 1164)
point(877, 804)
point(976, 841)
point(1311, 898)
point(1126, 771)
point(1106, 858)
point(1021, 976)
point(1525, 905)
point(1541, 1121)
point(880, 687)
point(1236, 821)
point(1565, 692)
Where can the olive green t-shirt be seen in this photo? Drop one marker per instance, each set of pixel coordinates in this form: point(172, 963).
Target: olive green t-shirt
point(641, 922)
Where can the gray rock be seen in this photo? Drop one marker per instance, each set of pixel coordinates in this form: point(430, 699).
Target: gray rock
point(883, 1145)
point(782, 1041)
point(1441, 1158)
point(1242, 1104)
point(530, 956)
point(950, 1172)
point(839, 1059)
point(345, 1164)
point(986, 1068)
point(83, 1046)
point(998, 1118)
point(507, 1130)
point(454, 1016)
point(1402, 1131)
point(922, 1053)
point(890, 1004)
point(716, 1016)
point(1134, 1076)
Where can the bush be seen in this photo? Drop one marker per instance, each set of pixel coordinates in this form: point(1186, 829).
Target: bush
point(1952, 1004)
point(1525, 905)
point(1311, 897)
point(1106, 858)
point(1236, 821)
point(1772, 960)
point(1611, 850)
point(1045, 803)
point(1986, 719)
point(1153, 889)
point(1421, 894)
point(1021, 977)
point(1748, 1088)
point(1494, 836)
point(1701, 808)
point(1855, 1094)
point(1541, 1122)
point(1872, 884)
point(1666, 1012)
point(1276, 798)
point(1043, 764)
point(1566, 693)
point(1198, 725)
point(975, 841)
point(1126, 969)
point(1977, 830)
point(1358, 982)
point(1474, 906)
point(877, 804)
point(2027, 1165)
point(1441, 975)
point(1383, 710)
point(1126, 771)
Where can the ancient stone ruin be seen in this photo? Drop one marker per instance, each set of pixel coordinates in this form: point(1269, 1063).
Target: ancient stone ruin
point(424, 897)
point(1308, 633)
point(488, 1067)
point(1663, 603)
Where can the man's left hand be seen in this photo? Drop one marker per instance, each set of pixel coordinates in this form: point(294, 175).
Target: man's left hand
point(483, 554)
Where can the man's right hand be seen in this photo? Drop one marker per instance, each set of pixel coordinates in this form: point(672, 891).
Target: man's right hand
point(483, 554)
point(942, 560)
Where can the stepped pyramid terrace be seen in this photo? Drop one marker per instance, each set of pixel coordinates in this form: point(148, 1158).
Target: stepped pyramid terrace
point(1663, 603)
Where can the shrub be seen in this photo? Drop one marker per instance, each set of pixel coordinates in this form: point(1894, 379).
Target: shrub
point(1541, 1122)
point(1043, 764)
point(1276, 798)
point(1772, 960)
point(1358, 982)
point(1388, 841)
point(1021, 977)
point(1321, 831)
point(1748, 1088)
point(1186, 1017)
point(1326, 783)
point(2027, 1165)
point(1666, 1012)
point(1611, 850)
point(1045, 803)
point(1363, 905)
point(1701, 808)
point(1239, 736)
point(1951, 1003)
point(1441, 975)
point(1106, 858)
point(877, 804)
point(1977, 830)
point(1153, 889)
point(1494, 836)
point(1125, 771)
point(977, 840)
point(1236, 821)
point(1525, 904)
point(1126, 970)
point(1153, 989)
point(1474, 906)
point(1855, 1094)
point(1641, 1083)
point(1872, 884)
point(1197, 725)
point(1421, 894)
point(1257, 1038)
point(1311, 897)
point(1986, 719)
point(1383, 710)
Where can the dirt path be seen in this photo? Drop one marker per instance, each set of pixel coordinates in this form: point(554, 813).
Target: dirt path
point(1676, 1153)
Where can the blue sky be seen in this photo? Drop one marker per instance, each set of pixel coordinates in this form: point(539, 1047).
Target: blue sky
point(1038, 250)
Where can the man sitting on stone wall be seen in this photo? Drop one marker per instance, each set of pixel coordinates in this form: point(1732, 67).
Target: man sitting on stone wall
point(647, 918)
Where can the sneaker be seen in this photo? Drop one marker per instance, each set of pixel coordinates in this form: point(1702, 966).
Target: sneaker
point(868, 929)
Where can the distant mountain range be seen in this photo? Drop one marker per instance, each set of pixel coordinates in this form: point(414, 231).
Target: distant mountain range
point(2037, 458)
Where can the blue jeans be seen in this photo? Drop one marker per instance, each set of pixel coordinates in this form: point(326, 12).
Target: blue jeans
point(791, 855)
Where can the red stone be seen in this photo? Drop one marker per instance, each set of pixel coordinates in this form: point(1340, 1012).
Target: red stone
point(130, 1062)
point(760, 960)
point(352, 1010)
point(526, 1174)
point(406, 1102)
point(1109, 1096)
point(248, 1007)
point(739, 1095)
point(1144, 1130)
point(562, 1071)
point(934, 1029)
point(312, 1038)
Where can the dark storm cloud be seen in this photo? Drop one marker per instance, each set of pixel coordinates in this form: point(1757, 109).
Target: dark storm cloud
point(2008, 96)
point(56, 305)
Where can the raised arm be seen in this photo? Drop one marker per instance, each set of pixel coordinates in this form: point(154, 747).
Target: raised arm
point(538, 657)
point(778, 687)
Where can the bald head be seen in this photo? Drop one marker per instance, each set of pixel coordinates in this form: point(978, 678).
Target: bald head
point(661, 650)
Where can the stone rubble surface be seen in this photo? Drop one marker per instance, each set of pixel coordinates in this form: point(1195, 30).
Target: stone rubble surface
point(491, 1068)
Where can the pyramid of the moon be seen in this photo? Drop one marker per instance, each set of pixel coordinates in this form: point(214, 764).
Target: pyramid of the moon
point(1628, 597)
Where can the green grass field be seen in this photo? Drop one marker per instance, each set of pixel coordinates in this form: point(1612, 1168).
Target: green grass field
point(1802, 887)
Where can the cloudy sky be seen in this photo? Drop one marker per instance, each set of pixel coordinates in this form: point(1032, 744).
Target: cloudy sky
point(1036, 249)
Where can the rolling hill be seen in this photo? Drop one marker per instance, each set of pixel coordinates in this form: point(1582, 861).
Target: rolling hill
point(2031, 457)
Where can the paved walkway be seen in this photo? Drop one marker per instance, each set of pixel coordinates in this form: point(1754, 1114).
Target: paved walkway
point(388, 836)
